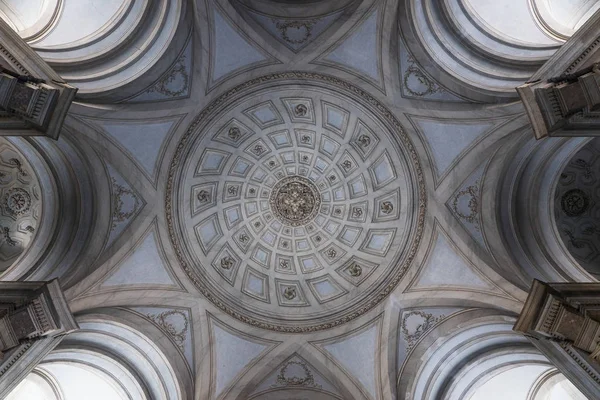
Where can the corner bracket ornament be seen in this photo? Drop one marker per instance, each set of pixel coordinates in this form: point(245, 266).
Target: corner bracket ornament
point(563, 321)
point(34, 318)
point(563, 97)
point(34, 100)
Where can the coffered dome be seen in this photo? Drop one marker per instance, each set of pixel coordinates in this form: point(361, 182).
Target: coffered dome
point(293, 205)
point(284, 199)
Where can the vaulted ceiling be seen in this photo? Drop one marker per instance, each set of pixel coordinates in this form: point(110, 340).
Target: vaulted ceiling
point(295, 199)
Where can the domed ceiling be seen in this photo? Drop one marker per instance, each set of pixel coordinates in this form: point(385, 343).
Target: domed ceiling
point(292, 199)
point(306, 200)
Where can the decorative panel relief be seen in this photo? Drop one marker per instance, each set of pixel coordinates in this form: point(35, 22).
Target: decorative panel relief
point(416, 83)
point(175, 83)
point(20, 204)
point(293, 374)
point(177, 324)
point(577, 207)
point(295, 33)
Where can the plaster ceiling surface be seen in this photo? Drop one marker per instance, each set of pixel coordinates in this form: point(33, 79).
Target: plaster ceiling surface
point(296, 205)
point(294, 192)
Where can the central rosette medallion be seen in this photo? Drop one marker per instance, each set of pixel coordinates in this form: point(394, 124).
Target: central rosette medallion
point(295, 200)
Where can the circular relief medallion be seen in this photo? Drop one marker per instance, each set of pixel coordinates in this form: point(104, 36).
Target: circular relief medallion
point(575, 202)
point(17, 201)
point(295, 202)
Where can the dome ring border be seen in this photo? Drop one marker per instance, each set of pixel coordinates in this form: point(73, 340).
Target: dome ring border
point(212, 110)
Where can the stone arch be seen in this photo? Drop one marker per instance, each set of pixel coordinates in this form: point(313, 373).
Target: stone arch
point(462, 353)
point(562, 18)
point(552, 385)
point(66, 179)
point(520, 213)
point(470, 50)
point(118, 355)
point(30, 18)
point(110, 50)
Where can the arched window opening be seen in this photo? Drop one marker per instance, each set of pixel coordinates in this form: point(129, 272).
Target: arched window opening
point(101, 45)
point(84, 382)
point(104, 360)
point(554, 386)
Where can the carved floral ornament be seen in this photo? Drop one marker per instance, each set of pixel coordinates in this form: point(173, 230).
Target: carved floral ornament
point(288, 28)
point(234, 133)
point(168, 320)
point(425, 322)
point(575, 202)
point(289, 293)
point(355, 270)
point(20, 204)
point(466, 204)
point(176, 82)
point(291, 205)
point(301, 110)
point(203, 196)
point(17, 202)
point(286, 379)
point(125, 203)
point(227, 262)
point(295, 200)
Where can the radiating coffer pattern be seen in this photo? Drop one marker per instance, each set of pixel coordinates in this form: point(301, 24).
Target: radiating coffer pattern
point(296, 200)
